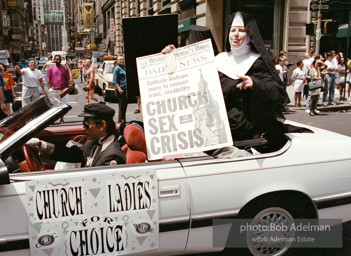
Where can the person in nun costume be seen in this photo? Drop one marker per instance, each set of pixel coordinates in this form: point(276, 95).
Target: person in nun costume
point(253, 92)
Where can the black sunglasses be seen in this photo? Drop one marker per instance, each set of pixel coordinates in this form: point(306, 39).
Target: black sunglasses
point(86, 124)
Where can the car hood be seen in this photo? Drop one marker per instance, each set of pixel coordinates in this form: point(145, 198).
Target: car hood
point(108, 77)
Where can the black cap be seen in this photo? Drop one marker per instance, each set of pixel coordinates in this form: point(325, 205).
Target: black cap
point(98, 111)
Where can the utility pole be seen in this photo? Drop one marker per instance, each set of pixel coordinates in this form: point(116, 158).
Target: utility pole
point(318, 30)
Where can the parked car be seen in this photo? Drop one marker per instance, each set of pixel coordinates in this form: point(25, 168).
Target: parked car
point(75, 71)
point(166, 206)
point(41, 62)
point(103, 78)
point(23, 63)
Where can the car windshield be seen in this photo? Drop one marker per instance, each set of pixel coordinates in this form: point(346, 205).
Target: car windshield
point(43, 59)
point(73, 66)
point(43, 112)
point(109, 68)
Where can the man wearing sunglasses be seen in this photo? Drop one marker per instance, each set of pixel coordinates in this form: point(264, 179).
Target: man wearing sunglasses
point(101, 148)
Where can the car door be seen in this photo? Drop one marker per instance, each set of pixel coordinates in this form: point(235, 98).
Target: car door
point(214, 185)
point(172, 193)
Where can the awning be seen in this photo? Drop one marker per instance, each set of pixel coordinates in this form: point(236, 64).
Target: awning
point(342, 31)
point(184, 25)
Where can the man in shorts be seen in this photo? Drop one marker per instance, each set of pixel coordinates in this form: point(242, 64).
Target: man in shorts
point(90, 84)
point(58, 79)
point(32, 77)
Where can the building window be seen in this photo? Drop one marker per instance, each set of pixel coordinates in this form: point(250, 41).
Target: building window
point(165, 2)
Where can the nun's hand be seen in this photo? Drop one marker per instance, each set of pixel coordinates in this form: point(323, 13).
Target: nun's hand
point(168, 49)
point(246, 83)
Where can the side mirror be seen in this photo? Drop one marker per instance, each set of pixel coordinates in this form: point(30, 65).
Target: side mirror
point(100, 70)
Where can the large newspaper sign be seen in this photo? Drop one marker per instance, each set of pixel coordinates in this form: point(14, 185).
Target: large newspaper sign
point(105, 214)
point(182, 101)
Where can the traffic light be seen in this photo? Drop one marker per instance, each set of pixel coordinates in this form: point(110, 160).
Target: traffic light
point(311, 29)
point(328, 28)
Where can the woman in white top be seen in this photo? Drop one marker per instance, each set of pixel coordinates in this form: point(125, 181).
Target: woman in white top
point(299, 77)
point(340, 77)
point(315, 74)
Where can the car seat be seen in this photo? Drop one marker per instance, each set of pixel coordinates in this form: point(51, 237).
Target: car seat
point(135, 146)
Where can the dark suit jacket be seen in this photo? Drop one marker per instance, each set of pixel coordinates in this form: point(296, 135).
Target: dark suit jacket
point(111, 155)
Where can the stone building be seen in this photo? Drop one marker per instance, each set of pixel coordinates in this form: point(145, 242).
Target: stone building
point(282, 23)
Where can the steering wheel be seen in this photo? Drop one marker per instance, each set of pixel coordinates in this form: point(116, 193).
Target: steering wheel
point(32, 158)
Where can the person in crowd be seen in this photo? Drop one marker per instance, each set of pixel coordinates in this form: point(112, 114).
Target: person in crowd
point(311, 53)
point(275, 60)
point(321, 67)
point(9, 92)
point(348, 81)
point(280, 68)
point(335, 57)
point(315, 73)
point(299, 77)
point(2, 98)
point(119, 81)
point(58, 77)
point(340, 77)
point(287, 64)
point(307, 62)
point(82, 71)
point(102, 147)
point(32, 77)
point(90, 84)
point(329, 80)
point(253, 92)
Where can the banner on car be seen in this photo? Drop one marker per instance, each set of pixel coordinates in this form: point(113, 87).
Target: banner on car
point(105, 214)
point(182, 101)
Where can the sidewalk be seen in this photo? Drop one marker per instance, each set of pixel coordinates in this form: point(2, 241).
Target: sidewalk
point(340, 105)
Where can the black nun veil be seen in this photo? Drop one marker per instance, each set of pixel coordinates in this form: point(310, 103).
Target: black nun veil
point(256, 111)
point(198, 33)
point(257, 45)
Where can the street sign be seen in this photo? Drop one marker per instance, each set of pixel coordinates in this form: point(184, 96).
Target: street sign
point(315, 7)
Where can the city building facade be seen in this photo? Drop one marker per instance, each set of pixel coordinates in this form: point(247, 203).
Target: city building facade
point(282, 23)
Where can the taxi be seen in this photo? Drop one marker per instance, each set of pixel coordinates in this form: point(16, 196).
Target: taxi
point(75, 71)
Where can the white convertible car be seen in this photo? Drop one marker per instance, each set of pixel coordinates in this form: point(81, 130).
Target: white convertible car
point(159, 207)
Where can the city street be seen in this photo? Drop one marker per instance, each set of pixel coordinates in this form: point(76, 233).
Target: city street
point(77, 102)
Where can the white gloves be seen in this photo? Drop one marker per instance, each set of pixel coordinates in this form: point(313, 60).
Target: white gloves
point(36, 143)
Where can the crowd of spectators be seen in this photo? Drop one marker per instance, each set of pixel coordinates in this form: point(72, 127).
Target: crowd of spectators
point(330, 68)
